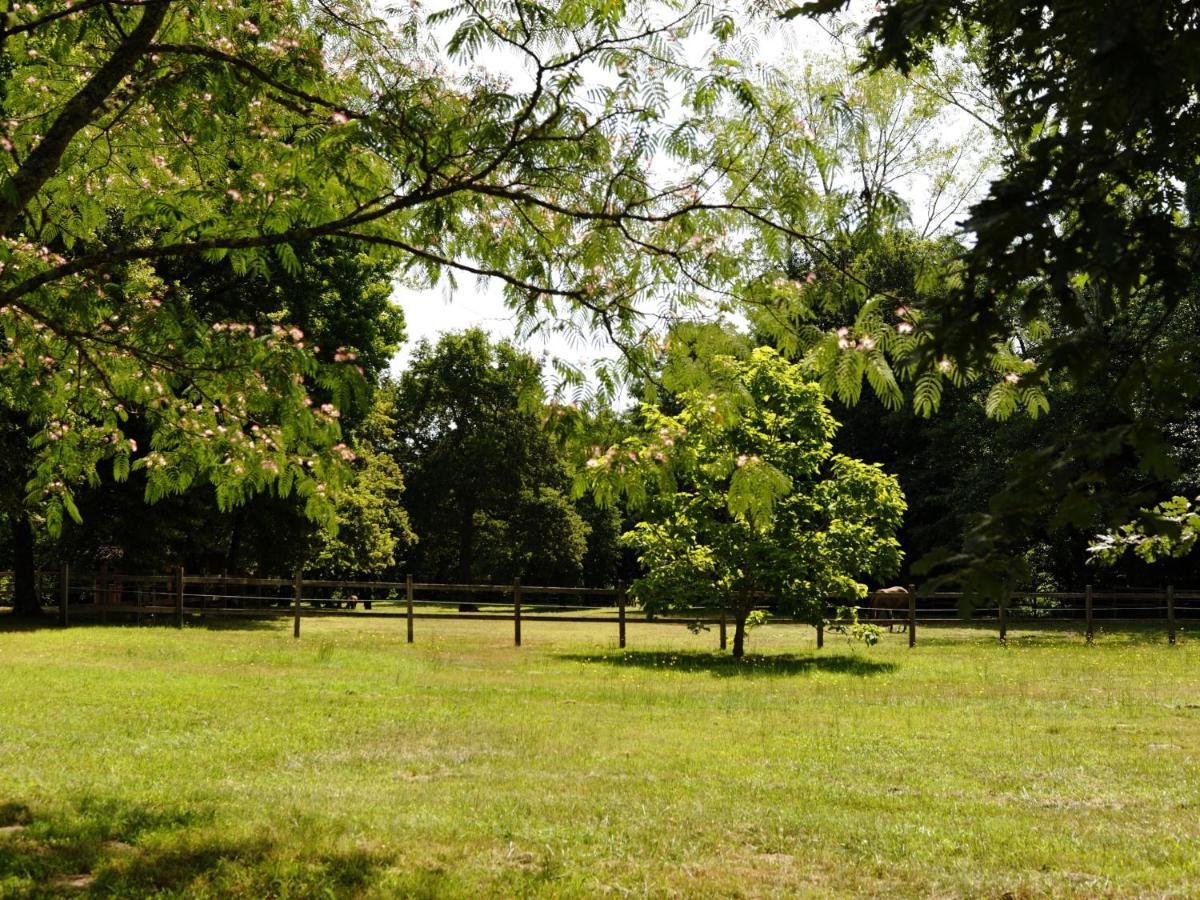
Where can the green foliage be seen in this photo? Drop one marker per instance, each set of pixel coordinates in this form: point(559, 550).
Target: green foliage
point(752, 498)
point(487, 486)
point(1083, 243)
point(372, 526)
point(1169, 529)
point(237, 135)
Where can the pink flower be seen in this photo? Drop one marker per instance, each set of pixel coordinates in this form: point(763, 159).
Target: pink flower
point(1012, 377)
point(339, 118)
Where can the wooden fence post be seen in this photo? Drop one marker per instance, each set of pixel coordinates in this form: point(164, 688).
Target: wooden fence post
point(1087, 611)
point(516, 590)
point(621, 615)
point(179, 596)
point(102, 592)
point(64, 593)
point(408, 600)
point(724, 639)
point(1170, 614)
point(912, 615)
point(297, 593)
point(1002, 615)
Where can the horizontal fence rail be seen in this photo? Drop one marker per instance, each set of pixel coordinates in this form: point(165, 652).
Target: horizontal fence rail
point(175, 596)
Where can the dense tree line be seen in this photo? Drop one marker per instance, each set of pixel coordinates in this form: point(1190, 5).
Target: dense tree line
point(204, 206)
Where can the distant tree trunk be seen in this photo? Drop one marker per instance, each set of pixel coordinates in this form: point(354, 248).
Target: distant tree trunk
point(742, 605)
point(739, 631)
point(26, 602)
point(466, 552)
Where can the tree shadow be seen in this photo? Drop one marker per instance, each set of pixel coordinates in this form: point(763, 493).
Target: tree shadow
point(108, 848)
point(723, 665)
point(11, 622)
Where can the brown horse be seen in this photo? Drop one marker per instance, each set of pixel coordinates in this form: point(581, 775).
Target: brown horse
point(890, 600)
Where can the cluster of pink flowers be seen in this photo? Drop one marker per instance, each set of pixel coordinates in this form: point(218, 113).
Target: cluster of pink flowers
point(866, 342)
point(235, 327)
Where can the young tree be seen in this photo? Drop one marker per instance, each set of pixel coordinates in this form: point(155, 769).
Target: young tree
point(753, 500)
point(373, 530)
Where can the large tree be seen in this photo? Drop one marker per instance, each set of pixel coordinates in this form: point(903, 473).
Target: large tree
point(1089, 226)
point(171, 130)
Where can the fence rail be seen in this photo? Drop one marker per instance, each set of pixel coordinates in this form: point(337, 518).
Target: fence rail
point(177, 595)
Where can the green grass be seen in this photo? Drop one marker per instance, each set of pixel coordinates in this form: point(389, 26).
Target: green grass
point(235, 761)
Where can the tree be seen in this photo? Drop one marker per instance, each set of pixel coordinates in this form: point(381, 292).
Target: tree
point(1089, 225)
point(175, 130)
point(372, 526)
point(340, 299)
point(487, 484)
point(753, 500)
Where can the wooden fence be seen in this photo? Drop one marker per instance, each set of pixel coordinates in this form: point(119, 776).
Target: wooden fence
point(175, 596)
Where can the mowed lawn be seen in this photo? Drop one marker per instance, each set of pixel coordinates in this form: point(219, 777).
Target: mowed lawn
point(236, 761)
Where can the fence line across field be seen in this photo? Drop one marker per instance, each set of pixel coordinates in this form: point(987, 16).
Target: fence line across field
point(178, 594)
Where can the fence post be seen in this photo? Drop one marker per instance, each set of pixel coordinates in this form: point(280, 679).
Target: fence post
point(516, 589)
point(179, 596)
point(297, 593)
point(102, 592)
point(724, 640)
point(912, 615)
point(1087, 610)
point(1002, 615)
point(621, 615)
point(64, 593)
point(821, 625)
point(1170, 614)
point(408, 600)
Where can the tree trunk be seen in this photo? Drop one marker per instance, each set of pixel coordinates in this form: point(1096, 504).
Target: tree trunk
point(466, 553)
point(26, 602)
point(739, 633)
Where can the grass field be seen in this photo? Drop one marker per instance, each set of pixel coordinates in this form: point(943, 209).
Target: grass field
point(237, 761)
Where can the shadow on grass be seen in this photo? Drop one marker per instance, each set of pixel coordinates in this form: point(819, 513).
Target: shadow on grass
point(91, 619)
point(723, 664)
point(107, 848)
